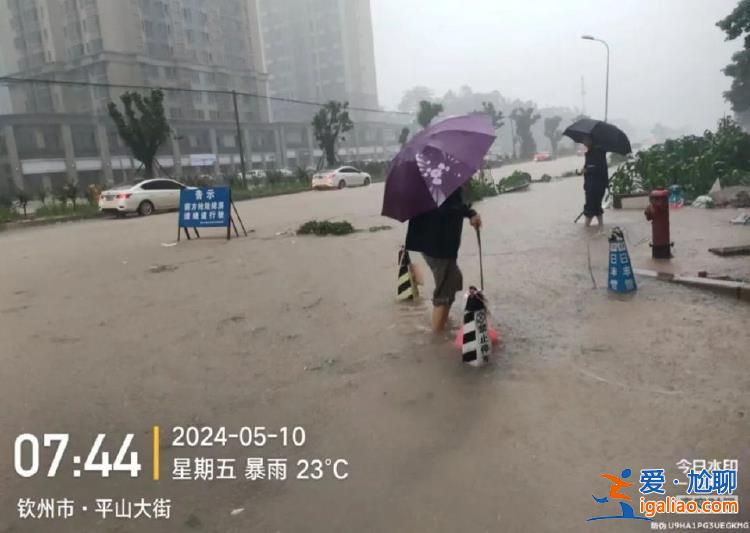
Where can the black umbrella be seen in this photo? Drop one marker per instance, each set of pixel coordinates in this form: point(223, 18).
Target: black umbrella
point(608, 137)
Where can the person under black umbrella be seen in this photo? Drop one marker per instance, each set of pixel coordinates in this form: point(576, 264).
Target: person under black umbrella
point(595, 181)
point(599, 138)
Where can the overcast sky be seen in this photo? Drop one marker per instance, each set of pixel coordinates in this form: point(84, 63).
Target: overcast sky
point(667, 55)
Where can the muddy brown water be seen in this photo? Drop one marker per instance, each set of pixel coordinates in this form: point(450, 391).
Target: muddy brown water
point(104, 330)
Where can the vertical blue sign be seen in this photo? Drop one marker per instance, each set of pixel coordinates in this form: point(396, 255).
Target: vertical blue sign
point(621, 276)
point(208, 207)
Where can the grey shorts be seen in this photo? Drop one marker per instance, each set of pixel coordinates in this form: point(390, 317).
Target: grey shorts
point(448, 279)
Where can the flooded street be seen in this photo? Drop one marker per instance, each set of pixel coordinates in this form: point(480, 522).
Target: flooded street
point(106, 330)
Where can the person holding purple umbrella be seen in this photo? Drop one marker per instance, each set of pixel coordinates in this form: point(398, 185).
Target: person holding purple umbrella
point(437, 235)
point(424, 185)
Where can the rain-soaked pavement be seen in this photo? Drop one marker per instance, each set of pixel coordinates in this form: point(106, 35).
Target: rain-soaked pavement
point(106, 330)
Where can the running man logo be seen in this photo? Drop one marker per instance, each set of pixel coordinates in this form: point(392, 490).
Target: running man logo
point(617, 496)
point(407, 286)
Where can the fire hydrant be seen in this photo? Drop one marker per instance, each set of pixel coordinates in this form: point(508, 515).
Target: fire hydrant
point(658, 214)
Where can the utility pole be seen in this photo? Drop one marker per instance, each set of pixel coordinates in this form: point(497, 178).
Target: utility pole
point(606, 94)
point(583, 95)
point(239, 139)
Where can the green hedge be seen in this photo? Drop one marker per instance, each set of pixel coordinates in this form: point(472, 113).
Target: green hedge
point(692, 162)
point(61, 210)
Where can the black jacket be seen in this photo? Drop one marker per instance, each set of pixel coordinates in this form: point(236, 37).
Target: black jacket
point(437, 233)
point(596, 170)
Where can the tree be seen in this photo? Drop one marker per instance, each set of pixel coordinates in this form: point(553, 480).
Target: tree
point(329, 123)
point(403, 137)
point(412, 97)
point(513, 139)
point(143, 127)
point(427, 112)
point(736, 25)
point(496, 116)
point(552, 132)
point(524, 119)
point(23, 198)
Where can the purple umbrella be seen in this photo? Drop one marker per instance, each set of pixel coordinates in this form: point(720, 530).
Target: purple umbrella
point(435, 163)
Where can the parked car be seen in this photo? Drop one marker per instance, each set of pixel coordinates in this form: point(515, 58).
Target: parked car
point(340, 178)
point(143, 198)
point(259, 174)
point(542, 156)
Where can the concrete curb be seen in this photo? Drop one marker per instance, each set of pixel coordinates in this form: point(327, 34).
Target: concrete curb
point(739, 290)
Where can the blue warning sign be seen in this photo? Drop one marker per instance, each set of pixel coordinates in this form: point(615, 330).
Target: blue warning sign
point(621, 276)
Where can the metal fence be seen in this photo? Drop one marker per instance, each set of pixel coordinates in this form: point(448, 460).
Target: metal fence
point(57, 133)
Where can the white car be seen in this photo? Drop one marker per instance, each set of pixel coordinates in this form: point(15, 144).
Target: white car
point(143, 198)
point(252, 174)
point(340, 178)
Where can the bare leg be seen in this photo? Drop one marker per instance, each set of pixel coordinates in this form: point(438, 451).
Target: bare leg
point(440, 317)
point(588, 221)
point(600, 220)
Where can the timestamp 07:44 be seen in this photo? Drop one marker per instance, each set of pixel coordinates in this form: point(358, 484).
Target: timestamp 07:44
point(97, 460)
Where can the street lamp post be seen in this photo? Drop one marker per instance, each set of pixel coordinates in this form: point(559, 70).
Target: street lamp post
point(606, 97)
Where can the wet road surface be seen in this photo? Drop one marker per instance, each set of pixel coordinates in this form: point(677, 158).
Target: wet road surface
point(105, 330)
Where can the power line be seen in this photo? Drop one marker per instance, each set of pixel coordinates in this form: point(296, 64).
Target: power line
point(6, 80)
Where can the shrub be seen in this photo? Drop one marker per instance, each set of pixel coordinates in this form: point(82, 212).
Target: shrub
point(199, 181)
point(23, 198)
point(692, 162)
point(236, 182)
point(514, 181)
point(60, 195)
point(7, 214)
point(43, 194)
point(92, 194)
point(376, 169)
point(68, 192)
point(478, 189)
point(60, 210)
point(302, 175)
point(320, 228)
point(275, 177)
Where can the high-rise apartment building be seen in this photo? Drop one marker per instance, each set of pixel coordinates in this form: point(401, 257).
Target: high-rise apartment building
point(199, 44)
point(318, 50)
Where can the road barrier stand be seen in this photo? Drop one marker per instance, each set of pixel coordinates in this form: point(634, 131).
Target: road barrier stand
point(476, 339)
point(407, 285)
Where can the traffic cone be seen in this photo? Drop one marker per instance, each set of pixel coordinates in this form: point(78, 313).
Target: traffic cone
point(407, 285)
point(477, 342)
point(621, 276)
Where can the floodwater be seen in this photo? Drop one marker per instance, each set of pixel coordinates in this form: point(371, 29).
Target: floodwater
point(105, 330)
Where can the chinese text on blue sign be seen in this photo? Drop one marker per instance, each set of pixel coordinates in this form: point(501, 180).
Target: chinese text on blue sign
point(205, 208)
